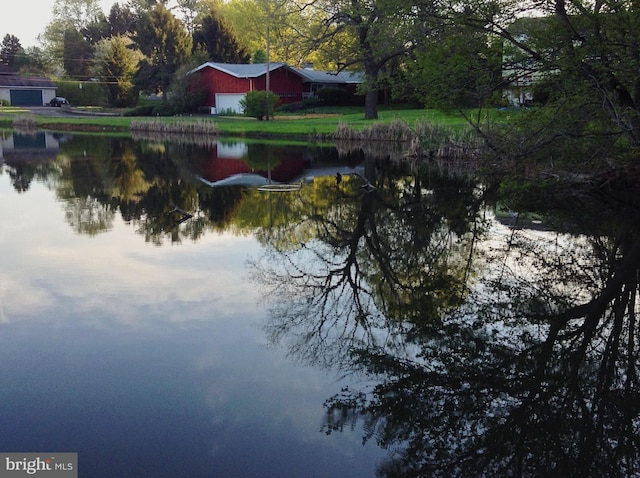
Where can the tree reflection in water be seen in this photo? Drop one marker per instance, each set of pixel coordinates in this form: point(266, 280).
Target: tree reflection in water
point(486, 350)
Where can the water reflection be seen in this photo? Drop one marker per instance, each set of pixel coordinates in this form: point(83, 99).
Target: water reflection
point(486, 350)
point(28, 155)
point(97, 178)
point(484, 344)
point(147, 361)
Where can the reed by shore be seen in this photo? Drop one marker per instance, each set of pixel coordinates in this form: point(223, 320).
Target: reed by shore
point(176, 127)
point(25, 123)
point(424, 140)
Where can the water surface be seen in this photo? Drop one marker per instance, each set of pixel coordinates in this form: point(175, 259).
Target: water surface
point(163, 316)
point(144, 354)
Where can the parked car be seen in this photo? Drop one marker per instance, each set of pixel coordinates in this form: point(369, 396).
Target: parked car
point(58, 101)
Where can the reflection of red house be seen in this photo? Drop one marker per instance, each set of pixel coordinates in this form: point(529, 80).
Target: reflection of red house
point(228, 160)
point(226, 84)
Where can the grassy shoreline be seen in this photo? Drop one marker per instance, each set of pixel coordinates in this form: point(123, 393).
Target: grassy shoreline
point(319, 124)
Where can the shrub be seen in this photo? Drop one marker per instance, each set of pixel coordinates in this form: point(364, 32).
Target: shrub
point(292, 107)
point(164, 108)
point(307, 103)
point(145, 110)
point(332, 96)
point(258, 105)
point(82, 93)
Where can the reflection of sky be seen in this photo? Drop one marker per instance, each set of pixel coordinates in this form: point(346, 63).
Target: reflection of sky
point(150, 360)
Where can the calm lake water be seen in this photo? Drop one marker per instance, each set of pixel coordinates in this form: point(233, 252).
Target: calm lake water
point(162, 316)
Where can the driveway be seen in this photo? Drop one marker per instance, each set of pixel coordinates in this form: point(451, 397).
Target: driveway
point(63, 111)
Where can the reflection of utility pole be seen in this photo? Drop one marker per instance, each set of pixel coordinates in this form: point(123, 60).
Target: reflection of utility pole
point(266, 93)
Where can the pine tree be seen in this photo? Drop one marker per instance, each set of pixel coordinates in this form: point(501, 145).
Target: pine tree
point(10, 50)
point(217, 39)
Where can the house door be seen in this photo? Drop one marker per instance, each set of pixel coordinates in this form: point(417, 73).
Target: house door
point(229, 102)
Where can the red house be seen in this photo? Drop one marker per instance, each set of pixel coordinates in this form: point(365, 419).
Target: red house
point(226, 84)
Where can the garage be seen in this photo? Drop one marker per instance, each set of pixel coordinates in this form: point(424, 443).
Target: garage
point(18, 90)
point(229, 102)
point(26, 97)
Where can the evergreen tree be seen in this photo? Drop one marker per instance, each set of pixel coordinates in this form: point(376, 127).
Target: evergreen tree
point(11, 50)
point(116, 64)
point(259, 57)
point(217, 39)
point(162, 38)
point(121, 20)
point(78, 55)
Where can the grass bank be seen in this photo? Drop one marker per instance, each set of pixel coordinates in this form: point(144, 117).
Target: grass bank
point(316, 124)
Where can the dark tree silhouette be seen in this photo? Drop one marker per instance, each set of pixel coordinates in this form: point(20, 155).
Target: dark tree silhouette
point(485, 351)
point(218, 41)
point(10, 51)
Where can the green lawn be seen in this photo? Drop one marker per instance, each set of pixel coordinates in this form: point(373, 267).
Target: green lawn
point(320, 121)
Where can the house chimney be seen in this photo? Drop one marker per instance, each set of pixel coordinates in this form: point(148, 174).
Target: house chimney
point(307, 66)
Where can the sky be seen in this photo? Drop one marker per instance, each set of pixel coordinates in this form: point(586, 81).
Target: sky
point(29, 18)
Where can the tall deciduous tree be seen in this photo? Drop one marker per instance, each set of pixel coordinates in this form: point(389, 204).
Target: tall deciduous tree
point(59, 38)
point(188, 11)
point(162, 38)
point(384, 30)
point(35, 62)
point(286, 22)
point(140, 7)
point(76, 14)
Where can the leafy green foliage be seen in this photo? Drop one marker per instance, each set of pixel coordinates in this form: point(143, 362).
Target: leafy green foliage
point(186, 94)
point(259, 104)
point(81, 92)
point(121, 20)
point(379, 32)
point(259, 57)
point(116, 64)
point(460, 69)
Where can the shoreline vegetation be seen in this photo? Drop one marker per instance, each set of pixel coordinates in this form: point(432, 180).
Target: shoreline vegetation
point(415, 135)
point(420, 133)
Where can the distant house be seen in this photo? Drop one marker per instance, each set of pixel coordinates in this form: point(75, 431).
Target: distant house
point(23, 91)
point(225, 84)
point(521, 72)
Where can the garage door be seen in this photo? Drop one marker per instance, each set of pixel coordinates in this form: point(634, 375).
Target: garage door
point(26, 97)
point(228, 102)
